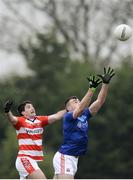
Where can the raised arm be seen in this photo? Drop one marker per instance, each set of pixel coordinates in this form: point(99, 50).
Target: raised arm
point(7, 108)
point(93, 83)
point(96, 105)
point(56, 117)
point(108, 74)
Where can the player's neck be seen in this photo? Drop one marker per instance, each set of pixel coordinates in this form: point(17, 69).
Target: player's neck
point(32, 117)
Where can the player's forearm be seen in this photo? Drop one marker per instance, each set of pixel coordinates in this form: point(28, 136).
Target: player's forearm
point(103, 93)
point(56, 117)
point(84, 103)
point(95, 106)
point(86, 99)
point(60, 114)
point(11, 117)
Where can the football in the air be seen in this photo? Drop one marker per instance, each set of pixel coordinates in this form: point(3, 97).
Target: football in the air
point(123, 32)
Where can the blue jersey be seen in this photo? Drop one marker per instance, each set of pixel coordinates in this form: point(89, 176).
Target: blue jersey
point(75, 133)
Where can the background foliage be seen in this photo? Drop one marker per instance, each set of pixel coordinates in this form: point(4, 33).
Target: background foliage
point(56, 77)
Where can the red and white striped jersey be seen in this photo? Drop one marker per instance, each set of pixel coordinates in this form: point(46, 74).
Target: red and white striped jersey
point(29, 135)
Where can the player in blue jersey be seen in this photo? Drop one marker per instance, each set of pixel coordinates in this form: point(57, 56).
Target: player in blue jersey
point(76, 127)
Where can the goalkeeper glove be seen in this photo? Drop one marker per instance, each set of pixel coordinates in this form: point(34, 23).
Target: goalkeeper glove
point(108, 74)
point(7, 106)
point(94, 81)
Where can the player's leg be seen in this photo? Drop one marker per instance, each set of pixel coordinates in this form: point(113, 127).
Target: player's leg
point(28, 168)
point(55, 176)
point(64, 176)
point(37, 174)
point(65, 166)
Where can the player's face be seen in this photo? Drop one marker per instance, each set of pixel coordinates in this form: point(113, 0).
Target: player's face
point(73, 104)
point(29, 110)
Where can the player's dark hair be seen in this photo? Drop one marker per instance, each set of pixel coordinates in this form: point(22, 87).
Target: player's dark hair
point(69, 98)
point(21, 107)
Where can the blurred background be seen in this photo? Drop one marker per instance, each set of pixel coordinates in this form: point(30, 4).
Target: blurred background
point(47, 49)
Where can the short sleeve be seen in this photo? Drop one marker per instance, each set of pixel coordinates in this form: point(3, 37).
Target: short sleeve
point(44, 120)
point(87, 113)
point(19, 123)
point(68, 116)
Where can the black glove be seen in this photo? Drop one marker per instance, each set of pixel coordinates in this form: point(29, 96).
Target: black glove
point(108, 74)
point(7, 105)
point(94, 81)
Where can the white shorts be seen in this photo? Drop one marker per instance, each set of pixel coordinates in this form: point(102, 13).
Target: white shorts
point(25, 166)
point(65, 164)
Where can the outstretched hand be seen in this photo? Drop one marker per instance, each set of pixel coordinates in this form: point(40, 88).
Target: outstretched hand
point(94, 81)
point(7, 105)
point(108, 74)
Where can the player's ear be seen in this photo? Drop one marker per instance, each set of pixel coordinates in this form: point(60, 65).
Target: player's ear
point(67, 108)
point(23, 113)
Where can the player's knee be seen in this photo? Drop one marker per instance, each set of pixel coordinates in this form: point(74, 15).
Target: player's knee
point(38, 174)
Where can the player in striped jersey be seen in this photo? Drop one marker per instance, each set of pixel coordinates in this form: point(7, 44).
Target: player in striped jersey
point(29, 128)
point(76, 127)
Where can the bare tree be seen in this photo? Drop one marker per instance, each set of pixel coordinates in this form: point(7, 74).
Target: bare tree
point(85, 25)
